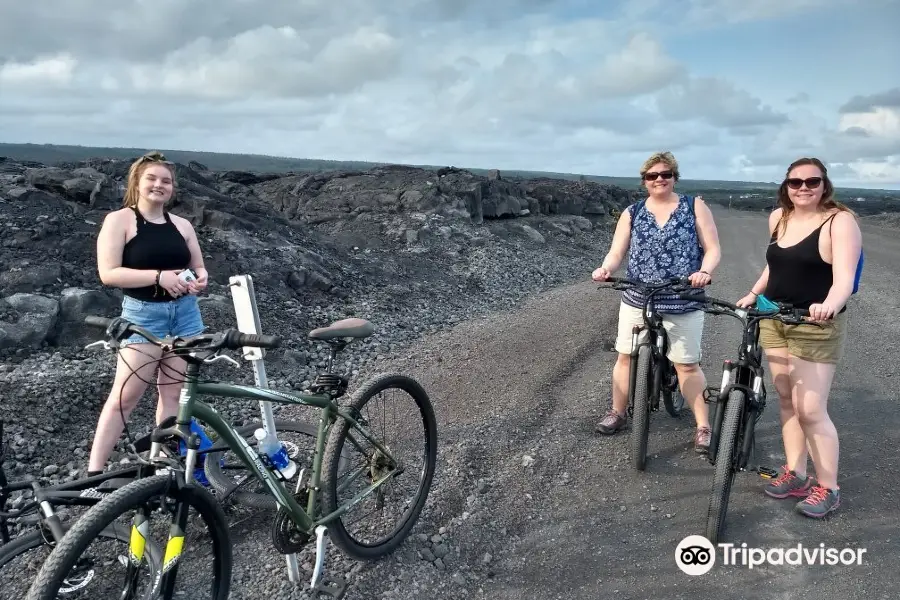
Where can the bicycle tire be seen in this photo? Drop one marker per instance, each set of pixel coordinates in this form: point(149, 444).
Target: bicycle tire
point(95, 520)
point(640, 417)
point(725, 471)
point(221, 482)
point(35, 539)
point(334, 454)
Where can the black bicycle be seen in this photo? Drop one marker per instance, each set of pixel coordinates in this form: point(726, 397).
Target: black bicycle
point(652, 375)
point(738, 404)
point(22, 555)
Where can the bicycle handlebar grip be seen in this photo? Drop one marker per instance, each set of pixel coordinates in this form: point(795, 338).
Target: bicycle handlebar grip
point(235, 340)
point(801, 312)
point(97, 321)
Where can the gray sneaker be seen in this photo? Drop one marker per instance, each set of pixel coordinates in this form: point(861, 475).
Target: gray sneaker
point(788, 484)
point(611, 422)
point(819, 502)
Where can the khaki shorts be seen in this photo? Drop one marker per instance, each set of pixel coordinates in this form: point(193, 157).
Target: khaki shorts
point(685, 333)
point(816, 343)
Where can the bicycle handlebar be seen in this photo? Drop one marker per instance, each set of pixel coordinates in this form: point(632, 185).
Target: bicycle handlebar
point(676, 284)
point(118, 329)
point(785, 312)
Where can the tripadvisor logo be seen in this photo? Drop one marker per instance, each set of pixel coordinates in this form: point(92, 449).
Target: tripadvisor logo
point(696, 555)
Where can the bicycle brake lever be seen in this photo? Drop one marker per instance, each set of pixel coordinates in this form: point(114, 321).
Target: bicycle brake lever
point(224, 357)
point(105, 344)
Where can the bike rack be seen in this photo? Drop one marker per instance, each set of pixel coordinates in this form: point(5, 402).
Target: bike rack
point(245, 310)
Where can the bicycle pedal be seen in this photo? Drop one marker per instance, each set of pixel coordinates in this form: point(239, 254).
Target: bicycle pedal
point(336, 588)
point(767, 473)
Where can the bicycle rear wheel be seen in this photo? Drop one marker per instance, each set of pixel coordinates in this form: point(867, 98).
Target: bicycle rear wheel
point(352, 463)
point(725, 466)
point(672, 397)
point(148, 496)
point(640, 418)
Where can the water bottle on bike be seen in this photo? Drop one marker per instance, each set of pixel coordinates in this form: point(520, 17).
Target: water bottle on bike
point(276, 452)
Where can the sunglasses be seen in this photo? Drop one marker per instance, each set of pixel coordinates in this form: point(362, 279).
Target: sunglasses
point(157, 157)
point(655, 176)
point(795, 183)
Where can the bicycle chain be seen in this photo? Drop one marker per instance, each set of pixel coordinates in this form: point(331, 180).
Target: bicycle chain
point(286, 538)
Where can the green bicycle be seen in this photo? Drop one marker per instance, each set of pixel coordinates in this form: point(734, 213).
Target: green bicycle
point(353, 470)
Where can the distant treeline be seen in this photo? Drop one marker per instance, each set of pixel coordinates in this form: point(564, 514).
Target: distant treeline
point(739, 194)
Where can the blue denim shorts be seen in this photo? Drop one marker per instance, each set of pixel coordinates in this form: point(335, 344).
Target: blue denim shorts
point(180, 317)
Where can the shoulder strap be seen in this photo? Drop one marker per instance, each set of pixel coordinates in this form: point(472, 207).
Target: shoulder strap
point(137, 215)
point(634, 208)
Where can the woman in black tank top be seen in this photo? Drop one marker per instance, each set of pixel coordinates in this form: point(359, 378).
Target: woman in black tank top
point(143, 249)
point(811, 260)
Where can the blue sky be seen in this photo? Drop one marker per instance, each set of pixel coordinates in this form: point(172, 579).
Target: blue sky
point(736, 90)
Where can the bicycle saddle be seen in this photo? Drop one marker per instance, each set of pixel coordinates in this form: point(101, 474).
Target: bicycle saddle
point(353, 328)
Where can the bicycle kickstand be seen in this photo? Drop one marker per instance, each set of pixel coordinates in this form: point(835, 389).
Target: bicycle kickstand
point(323, 584)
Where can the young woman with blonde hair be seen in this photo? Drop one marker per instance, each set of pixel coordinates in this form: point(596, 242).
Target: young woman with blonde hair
point(142, 248)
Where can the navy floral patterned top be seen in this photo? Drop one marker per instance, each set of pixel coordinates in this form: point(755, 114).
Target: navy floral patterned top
point(658, 253)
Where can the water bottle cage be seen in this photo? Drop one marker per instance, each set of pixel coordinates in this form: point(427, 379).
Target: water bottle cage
point(267, 461)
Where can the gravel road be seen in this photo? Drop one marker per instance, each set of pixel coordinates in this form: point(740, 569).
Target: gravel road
point(536, 505)
point(530, 503)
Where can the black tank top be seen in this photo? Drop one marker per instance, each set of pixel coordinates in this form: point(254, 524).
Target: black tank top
point(797, 274)
point(156, 246)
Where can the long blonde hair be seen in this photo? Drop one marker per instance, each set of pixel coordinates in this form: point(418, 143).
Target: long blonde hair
point(828, 200)
point(132, 194)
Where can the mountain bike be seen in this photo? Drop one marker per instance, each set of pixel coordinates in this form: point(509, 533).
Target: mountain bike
point(315, 507)
point(652, 375)
point(739, 403)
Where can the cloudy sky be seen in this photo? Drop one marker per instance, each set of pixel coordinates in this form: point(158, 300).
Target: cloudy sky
point(735, 88)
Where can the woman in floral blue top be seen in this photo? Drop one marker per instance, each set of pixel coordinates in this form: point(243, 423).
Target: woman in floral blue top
point(663, 238)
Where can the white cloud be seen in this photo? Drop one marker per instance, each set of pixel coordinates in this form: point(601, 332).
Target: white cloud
point(530, 84)
point(52, 71)
point(879, 122)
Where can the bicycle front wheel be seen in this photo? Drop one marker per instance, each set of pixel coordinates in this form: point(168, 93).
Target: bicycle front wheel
point(725, 466)
point(146, 497)
point(640, 418)
point(352, 464)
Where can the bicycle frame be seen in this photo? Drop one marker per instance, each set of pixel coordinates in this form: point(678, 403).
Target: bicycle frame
point(47, 498)
point(658, 341)
point(191, 407)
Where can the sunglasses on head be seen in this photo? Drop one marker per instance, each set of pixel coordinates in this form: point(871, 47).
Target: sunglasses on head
point(795, 183)
point(157, 157)
point(654, 176)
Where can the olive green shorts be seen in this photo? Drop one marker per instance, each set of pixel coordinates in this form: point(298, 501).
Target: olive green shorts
point(823, 343)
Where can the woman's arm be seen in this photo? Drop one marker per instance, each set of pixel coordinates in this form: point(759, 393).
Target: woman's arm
point(197, 264)
point(709, 237)
point(846, 244)
point(620, 242)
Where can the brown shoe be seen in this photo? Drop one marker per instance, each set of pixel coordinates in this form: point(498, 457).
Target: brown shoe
point(701, 440)
point(611, 422)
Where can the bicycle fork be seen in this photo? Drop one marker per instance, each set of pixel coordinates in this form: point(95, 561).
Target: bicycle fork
point(730, 379)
